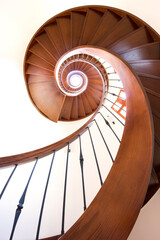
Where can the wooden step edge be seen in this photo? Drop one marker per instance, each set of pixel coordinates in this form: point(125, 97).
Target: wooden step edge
point(46, 50)
point(68, 108)
point(36, 65)
point(140, 47)
point(85, 21)
point(112, 30)
point(51, 40)
point(96, 27)
point(60, 30)
point(90, 100)
point(156, 114)
point(152, 92)
point(82, 107)
point(140, 74)
point(125, 37)
point(83, 28)
point(74, 110)
point(145, 61)
point(157, 140)
point(89, 103)
point(31, 51)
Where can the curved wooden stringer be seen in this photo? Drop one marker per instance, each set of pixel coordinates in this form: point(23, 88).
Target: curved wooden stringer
point(75, 43)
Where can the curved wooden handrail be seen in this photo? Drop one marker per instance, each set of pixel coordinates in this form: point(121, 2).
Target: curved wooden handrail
point(114, 210)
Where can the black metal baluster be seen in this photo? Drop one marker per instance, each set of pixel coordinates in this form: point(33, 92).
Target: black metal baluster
point(21, 202)
point(44, 197)
point(111, 73)
point(82, 173)
point(113, 114)
point(64, 195)
point(5, 186)
point(116, 87)
point(114, 79)
point(107, 123)
point(109, 67)
point(115, 95)
point(95, 155)
point(104, 141)
point(115, 104)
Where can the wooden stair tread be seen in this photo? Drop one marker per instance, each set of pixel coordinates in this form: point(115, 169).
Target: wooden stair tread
point(140, 74)
point(45, 42)
point(81, 109)
point(96, 96)
point(48, 99)
point(74, 111)
point(65, 29)
point(136, 38)
point(36, 61)
point(77, 22)
point(38, 71)
point(122, 28)
point(34, 79)
point(148, 66)
point(151, 83)
point(96, 86)
point(93, 18)
point(55, 37)
point(102, 29)
point(146, 51)
point(66, 109)
point(91, 100)
point(39, 51)
point(95, 90)
point(86, 104)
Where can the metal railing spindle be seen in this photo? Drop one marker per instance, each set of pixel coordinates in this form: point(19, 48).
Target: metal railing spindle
point(64, 195)
point(5, 186)
point(21, 202)
point(115, 104)
point(44, 197)
point(113, 114)
point(108, 124)
point(104, 141)
point(95, 155)
point(82, 173)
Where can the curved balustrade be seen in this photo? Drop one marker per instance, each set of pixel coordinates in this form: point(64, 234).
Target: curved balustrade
point(104, 118)
point(121, 162)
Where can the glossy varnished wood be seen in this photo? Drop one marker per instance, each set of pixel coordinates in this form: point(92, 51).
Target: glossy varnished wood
point(136, 38)
point(121, 195)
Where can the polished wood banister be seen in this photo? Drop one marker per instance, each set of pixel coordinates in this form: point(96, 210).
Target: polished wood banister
point(114, 210)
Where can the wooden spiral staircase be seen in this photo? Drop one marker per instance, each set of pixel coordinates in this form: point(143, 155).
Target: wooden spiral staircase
point(75, 41)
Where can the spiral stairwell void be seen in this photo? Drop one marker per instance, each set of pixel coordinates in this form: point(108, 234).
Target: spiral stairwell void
point(75, 43)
